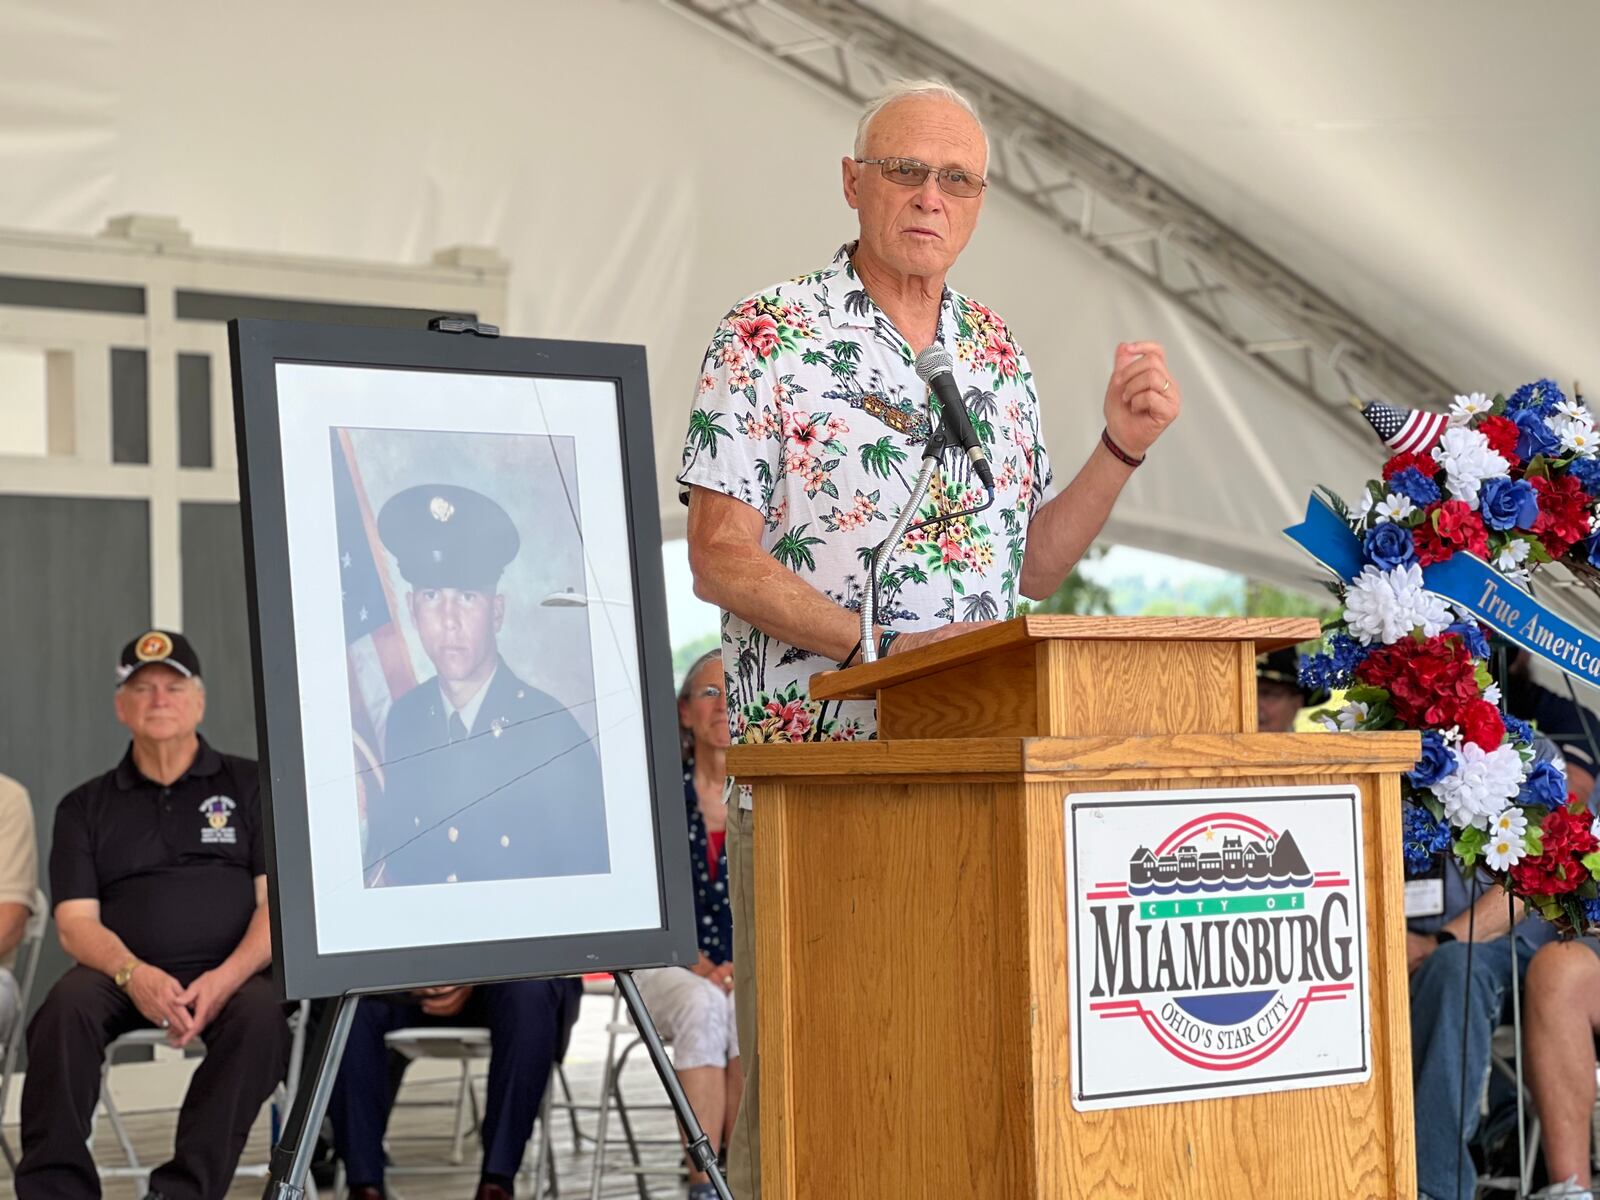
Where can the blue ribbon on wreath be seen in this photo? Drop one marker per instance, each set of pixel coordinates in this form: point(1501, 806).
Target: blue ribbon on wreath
point(1467, 582)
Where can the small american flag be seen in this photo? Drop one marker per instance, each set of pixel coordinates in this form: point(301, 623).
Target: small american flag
point(1404, 430)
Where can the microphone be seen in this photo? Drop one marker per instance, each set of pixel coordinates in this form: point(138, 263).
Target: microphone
point(935, 368)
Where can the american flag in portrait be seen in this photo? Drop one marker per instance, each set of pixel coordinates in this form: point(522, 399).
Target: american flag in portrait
point(378, 661)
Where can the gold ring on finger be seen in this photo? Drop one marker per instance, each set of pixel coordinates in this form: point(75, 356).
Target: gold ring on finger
point(1167, 384)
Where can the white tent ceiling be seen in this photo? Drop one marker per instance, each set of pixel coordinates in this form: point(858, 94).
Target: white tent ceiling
point(1432, 166)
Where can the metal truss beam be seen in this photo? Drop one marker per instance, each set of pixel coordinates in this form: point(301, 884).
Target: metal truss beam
point(1247, 300)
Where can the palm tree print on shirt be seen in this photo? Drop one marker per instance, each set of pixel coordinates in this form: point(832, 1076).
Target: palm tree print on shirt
point(808, 410)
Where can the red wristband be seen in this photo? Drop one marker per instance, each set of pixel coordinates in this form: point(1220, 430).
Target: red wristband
point(1117, 452)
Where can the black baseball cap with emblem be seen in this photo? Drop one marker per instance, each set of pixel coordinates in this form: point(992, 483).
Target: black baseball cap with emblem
point(445, 535)
point(1283, 666)
point(158, 648)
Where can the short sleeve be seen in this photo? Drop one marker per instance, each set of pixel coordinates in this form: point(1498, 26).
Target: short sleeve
point(1040, 472)
point(735, 439)
point(72, 869)
point(19, 855)
point(249, 784)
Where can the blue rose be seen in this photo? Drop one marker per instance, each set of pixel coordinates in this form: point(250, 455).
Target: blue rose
point(1517, 729)
point(1437, 761)
point(1592, 545)
point(1587, 472)
point(1388, 546)
point(1472, 636)
point(1534, 434)
point(1508, 503)
point(1546, 784)
point(1411, 482)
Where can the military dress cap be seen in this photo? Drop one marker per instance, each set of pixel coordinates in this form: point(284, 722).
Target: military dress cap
point(444, 535)
point(158, 648)
point(1283, 666)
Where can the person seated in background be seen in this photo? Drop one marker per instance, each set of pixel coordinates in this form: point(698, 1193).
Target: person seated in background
point(1556, 717)
point(1454, 1014)
point(19, 881)
point(1562, 1006)
point(1279, 693)
point(529, 1023)
point(693, 1006)
point(158, 872)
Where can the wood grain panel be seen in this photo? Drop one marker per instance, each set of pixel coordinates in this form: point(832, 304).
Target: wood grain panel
point(1164, 756)
point(1248, 714)
point(865, 681)
point(992, 697)
point(776, 993)
point(901, 1063)
point(1347, 1141)
point(1129, 687)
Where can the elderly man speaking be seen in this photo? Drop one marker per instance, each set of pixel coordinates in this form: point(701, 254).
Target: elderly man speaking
point(804, 435)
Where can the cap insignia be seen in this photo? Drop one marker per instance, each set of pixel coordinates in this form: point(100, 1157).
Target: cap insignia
point(153, 647)
point(441, 509)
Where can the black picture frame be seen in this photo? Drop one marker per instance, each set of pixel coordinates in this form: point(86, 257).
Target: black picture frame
point(299, 969)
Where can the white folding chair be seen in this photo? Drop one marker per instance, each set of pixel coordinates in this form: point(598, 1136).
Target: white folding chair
point(1503, 1062)
point(28, 954)
point(466, 1046)
point(611, 1096)
point(150, 1039)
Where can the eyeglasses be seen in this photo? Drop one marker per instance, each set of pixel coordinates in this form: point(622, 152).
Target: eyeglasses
point(711, 692)
point(908, 172)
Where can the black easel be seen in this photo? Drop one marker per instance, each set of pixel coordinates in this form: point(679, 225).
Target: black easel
point(291, 1157)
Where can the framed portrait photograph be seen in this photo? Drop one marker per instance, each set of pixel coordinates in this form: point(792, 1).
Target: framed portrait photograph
point(463, 675)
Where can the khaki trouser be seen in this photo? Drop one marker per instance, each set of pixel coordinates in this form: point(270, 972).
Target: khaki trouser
point(744, 1147)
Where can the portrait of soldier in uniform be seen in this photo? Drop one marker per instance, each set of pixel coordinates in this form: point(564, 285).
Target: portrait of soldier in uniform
point(483, 776)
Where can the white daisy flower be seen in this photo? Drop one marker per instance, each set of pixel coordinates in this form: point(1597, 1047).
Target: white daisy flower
point(1385, 606)
point(1468, 459)
point(1482, 784)
point(1574, 410)
point(1474, 404)
point(1396, 506)
point(1492, 694)
point(1512, 822)
point(1578, 437)
point(1351, 716)
point(1327, 721)
point(1502, 852)
point(1594, 827)
point(1512, 555)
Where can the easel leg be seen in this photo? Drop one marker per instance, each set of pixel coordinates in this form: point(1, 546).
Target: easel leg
point(705, 1158)
point(291, 1157)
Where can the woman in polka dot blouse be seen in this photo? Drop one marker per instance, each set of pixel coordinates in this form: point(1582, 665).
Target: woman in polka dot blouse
point(693, 1006)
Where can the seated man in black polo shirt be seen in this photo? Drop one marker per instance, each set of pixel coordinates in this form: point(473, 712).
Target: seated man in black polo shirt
point(159, 883)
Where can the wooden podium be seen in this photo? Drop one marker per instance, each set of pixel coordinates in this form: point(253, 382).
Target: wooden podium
point(912, 930)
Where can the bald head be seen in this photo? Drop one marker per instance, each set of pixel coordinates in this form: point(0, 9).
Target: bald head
point(916, 229)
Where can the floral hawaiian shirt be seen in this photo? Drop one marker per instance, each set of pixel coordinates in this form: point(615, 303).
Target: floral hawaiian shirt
point(809, 410)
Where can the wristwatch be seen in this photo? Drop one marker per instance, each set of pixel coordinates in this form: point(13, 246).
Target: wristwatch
point(125, 973)
point(1443, 936)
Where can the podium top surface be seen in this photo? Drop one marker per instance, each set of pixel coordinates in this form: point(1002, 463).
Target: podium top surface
point(863, 682)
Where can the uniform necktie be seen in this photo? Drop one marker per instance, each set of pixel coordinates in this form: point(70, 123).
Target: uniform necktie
point(458, 728)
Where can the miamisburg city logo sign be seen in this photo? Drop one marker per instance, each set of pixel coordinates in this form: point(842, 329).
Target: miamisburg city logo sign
point(1218, 943)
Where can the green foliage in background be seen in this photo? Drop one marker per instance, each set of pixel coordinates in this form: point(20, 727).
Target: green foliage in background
point(683, 656)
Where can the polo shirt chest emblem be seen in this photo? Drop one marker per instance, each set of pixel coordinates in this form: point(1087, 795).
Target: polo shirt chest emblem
point(217, 831)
